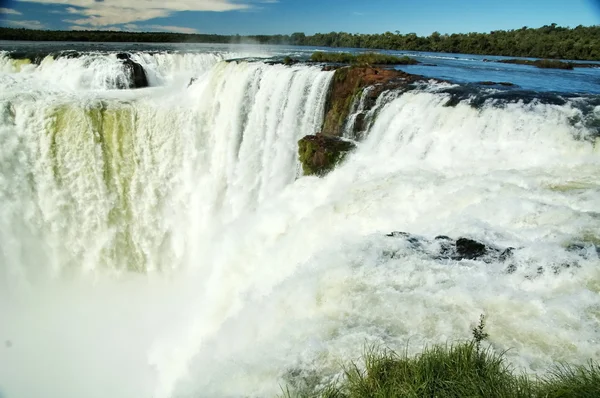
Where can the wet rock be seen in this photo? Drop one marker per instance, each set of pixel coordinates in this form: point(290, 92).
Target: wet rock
point(506, 254)
point(289, 61)
point(490, 83)
point(136, 75)
point(445, 248)
point(347, 86)
point(453, 101)
point(320, 153)
point(396, 234)
point(469, 249)
point(360, 123)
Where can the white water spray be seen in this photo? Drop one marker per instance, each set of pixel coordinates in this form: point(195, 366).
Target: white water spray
point(160, 243)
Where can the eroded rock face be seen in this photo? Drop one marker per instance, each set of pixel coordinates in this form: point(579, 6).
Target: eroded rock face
point(348, 84)
point(319, 154)
point(136, 74)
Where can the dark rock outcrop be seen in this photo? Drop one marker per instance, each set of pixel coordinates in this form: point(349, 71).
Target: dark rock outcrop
point(289, 61)
point(469, 249)
point(136, 75)
point(319, 154)
point(446, 248)
point(490, 83)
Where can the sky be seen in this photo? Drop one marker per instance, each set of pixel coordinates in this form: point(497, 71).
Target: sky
point(288, 16)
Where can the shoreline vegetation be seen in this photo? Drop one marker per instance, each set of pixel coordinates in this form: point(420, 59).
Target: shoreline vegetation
point(549, 41)
point(361, 59)
point(459, 370)
point(548, 63)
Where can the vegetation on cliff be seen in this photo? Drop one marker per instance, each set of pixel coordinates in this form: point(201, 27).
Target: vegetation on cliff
point(319, 154)
point(549, 41)
point(361, 59)
point(459, 370)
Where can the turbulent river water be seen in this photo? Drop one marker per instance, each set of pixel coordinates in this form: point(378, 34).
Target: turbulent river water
point(162, 242)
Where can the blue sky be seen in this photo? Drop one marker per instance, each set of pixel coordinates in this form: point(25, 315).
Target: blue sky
point(287, 16)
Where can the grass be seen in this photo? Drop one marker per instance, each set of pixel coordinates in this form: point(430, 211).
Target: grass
point(454, 371)
point(540, 63)
point(361, 59)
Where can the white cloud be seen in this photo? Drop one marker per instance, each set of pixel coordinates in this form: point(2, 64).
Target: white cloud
point(111, 12)
point(9, 11)
point(113, 16)
point(84, 28)
point(26, 24)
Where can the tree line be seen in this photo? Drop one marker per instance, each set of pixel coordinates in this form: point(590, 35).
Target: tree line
point(549, 41)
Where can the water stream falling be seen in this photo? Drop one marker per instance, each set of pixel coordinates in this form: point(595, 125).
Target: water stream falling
point(163, 243)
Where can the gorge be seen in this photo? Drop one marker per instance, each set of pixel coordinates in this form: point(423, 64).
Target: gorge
point(165, 242)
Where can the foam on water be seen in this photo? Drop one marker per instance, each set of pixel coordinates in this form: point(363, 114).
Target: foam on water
point(103, 71)
point(248, 276)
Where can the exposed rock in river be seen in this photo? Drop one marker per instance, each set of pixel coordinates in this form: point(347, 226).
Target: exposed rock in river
point(319, 154)
point(348, 84)
point(136, 75)
point(444, 247)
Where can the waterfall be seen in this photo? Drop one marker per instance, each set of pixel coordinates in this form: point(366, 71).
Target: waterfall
point(162, 242)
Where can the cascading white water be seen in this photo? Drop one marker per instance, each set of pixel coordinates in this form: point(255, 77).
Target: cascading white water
point(114, 168)
point(255, 278)
point(104, 71)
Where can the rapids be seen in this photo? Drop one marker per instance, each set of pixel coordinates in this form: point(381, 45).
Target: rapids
point(162, 242)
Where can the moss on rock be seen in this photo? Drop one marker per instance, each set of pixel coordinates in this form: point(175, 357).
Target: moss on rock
point(348, 84)
point(319, 154)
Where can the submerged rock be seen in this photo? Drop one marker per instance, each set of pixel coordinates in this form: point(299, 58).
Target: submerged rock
point(319, 154)
point(136, 75)
point(490, 83)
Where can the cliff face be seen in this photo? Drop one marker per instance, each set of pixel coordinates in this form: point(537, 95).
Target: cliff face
point(320, 153)
point(347, 86)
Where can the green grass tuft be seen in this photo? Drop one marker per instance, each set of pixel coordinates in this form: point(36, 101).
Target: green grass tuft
point(571, 381)
point(454, 371)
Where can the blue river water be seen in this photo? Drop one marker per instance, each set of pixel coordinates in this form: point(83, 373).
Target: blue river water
point(459, 68)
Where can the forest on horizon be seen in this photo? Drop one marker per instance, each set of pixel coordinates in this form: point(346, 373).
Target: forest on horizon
point(549, 41)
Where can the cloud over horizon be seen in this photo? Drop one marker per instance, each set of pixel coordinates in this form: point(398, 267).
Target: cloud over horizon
point(9, 11)
point(28, 24)
point(96, 14)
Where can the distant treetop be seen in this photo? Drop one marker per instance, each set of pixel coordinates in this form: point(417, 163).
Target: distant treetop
point(549, 41)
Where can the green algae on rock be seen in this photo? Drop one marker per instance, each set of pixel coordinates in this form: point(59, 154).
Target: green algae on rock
point(319, 154)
